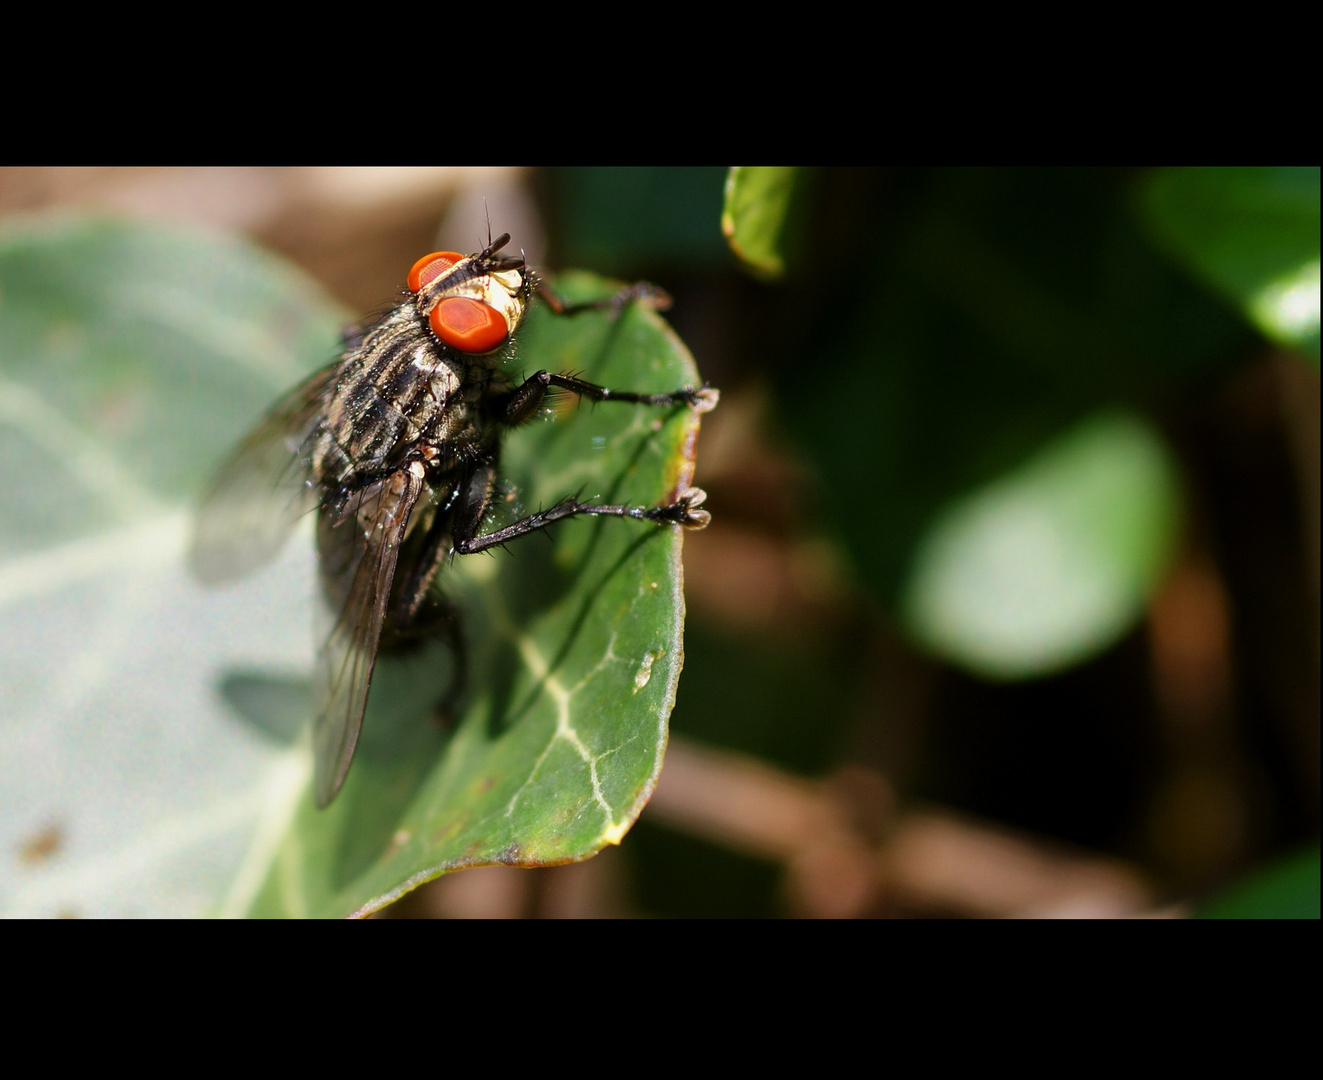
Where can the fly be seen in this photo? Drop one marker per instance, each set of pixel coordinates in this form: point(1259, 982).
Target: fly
point(396, 447)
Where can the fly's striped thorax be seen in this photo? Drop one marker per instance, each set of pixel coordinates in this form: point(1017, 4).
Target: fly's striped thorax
point(390, 393)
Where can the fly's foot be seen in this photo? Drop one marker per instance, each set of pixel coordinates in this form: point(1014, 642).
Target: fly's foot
point(643, 292)
point(684, 511)
point(704, 399)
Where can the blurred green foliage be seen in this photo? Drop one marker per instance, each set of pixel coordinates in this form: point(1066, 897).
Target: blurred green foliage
point(763, 215)
point(983, 369)
point(1253, 235)
point(1287, 890)
point(614, 220)
point(973, 322)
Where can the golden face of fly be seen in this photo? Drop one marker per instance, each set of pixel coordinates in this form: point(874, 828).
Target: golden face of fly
point(472, 303)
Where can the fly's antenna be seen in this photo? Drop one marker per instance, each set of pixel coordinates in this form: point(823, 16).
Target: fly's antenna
point(531, 280)
point(505, 262)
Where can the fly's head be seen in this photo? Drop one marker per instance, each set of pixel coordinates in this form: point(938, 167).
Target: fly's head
point(472, 302)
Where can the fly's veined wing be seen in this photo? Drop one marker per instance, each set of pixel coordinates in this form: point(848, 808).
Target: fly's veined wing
point(359, 548)
point(261, 491)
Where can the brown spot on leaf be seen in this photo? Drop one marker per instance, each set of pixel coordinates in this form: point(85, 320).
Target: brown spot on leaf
point(42, 845)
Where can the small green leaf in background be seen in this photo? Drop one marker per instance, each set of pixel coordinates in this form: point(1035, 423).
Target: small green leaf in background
point(756, 215)
point(151, 754)
point(1049, 564)
point(1289, 890)
point(1252, 234)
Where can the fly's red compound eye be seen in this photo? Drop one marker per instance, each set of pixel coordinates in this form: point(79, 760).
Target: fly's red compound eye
point(468, 325)
point(429, 267)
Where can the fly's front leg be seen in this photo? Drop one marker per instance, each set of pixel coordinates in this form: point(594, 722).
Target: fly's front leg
point(644, 292)
point(524, 401)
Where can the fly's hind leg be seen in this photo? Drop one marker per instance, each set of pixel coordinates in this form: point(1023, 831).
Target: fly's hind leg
point(420, 613)
point(443, 620)
point(436, 617)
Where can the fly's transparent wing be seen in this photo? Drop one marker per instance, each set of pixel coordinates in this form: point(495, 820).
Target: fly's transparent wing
point(359, 547)
point(262, 491)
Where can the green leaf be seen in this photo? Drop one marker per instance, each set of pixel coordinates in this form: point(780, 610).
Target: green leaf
point(1252, 234)
point(756, 217)
point(152, 752)
point(1051, 563)
point(1288, 890)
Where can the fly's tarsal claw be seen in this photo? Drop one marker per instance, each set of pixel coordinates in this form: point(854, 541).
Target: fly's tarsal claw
point(686, 512)
point(654, 296)
point(704, 399)
point(643, 293)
